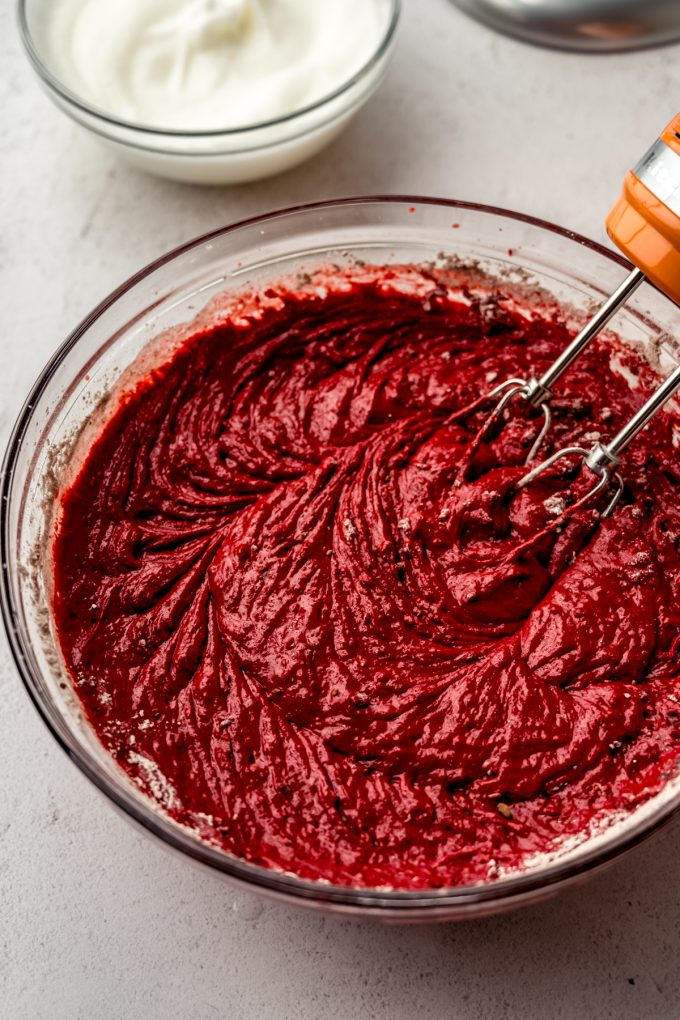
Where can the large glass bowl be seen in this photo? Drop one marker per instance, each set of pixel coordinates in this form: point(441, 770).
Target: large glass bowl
point(223, 155)
point(521, 252)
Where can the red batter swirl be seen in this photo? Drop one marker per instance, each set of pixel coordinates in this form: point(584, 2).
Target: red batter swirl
point(307, 626)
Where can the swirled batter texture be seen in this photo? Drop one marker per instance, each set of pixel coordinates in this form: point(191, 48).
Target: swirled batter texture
point(315, 619)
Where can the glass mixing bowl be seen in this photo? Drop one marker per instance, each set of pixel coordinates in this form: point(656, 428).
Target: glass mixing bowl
point(521, 252)
point(221, 156)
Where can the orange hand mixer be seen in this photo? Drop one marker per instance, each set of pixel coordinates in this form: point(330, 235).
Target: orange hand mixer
point(645, 225)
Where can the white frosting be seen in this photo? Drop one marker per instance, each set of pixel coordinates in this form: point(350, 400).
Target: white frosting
point(210, 64)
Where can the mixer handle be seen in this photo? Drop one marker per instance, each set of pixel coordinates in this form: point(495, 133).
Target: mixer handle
point(645, 222)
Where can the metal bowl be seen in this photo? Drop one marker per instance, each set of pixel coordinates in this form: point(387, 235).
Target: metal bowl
point(591, 25)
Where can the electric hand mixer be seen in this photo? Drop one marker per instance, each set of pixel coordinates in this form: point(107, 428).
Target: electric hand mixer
point(645, 225)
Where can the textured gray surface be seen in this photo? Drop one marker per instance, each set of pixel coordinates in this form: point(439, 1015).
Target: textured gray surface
point(95, 921)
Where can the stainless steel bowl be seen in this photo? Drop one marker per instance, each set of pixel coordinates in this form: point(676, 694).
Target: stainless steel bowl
point(594, 25)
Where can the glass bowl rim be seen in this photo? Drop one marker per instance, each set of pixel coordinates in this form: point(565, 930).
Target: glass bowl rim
point(53, 82)
point(367, 900)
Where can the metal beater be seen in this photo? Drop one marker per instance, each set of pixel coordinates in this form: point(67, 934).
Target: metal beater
point(645, 225)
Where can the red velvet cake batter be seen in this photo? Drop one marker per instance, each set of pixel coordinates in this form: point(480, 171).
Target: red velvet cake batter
point(317, 631)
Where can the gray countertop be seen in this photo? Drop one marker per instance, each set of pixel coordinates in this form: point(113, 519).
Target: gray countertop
point(96, 921)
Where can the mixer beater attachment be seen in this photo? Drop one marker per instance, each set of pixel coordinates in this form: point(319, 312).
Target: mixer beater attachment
point(603, 459)
point(645, 225)
point(538, 392)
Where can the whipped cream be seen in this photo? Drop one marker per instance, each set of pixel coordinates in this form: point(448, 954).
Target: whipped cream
point(201, 65)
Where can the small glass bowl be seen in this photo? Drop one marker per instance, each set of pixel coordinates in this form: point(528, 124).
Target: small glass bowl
point(214, 157)
point(165, 298)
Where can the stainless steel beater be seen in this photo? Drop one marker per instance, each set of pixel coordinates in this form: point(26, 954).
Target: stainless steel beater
point(645, 224)
point(603, 459)
point(538, 392)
